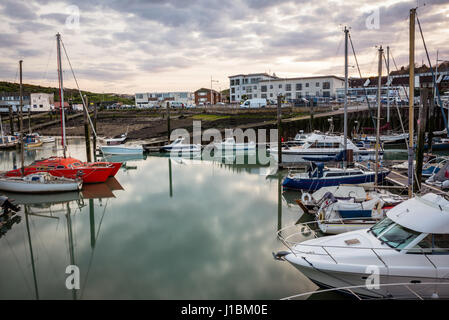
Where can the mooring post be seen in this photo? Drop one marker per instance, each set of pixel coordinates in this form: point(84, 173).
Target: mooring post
point(11, 121)
point(168, 121)
point(431, 124)
point(421, 132)
point(279, 127)
point(86, 131)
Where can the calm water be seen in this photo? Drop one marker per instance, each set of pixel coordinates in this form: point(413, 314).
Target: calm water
point(208, 236)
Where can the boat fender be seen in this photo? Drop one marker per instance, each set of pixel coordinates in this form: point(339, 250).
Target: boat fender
point(306, 197)
point(321, 216)
point(378, 207)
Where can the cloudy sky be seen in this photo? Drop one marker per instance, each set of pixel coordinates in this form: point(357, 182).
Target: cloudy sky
point(156, 45)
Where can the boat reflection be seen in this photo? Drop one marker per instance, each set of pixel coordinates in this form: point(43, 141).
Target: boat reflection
point(124, 157)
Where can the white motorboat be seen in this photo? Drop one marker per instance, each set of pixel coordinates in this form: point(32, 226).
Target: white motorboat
point(7, 142)
point(230, 144)
point(42, 138)
point(119, 140)
point(391, 138)
point(121, 149)
point(179, 146)
point(407, 252)
point(41, 182)
point(324, 146)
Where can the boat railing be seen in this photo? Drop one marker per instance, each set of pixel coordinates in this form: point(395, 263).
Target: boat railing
point(411, 287)
point(304, 231)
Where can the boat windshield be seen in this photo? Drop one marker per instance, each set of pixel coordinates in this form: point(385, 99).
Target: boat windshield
point(398, 236)
point(381, 226)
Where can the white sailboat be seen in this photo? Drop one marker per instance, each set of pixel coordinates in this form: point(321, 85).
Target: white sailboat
point(41, 182)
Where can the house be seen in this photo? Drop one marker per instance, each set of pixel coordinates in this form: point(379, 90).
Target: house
point(205, 96)
point(41, 101)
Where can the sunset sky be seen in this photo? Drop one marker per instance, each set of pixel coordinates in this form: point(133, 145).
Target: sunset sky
point(144, 46)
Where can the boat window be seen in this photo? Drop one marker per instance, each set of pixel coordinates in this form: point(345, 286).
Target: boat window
point(398, 236)
point(381, 226)
point(335, 174)
point(60, 167)
point(354, 173)
point(432, 244)
point(76, 164)
point(51, 167)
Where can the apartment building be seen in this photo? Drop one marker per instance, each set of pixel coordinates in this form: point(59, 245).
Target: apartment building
point(205, 96)
point(246, 85)
point(153, 99)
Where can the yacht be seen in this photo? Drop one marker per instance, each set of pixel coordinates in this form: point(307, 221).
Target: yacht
point(319, 176)
point(323, 145)
point(408, 251)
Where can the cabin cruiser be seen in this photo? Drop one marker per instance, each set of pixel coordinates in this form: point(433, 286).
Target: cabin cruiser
point(319, 176)
point(179, 146)
point(322, 145)
point(408, 251)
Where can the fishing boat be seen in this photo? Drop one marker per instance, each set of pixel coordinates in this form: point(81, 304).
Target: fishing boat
point(230, 144)
point(41, 182)
point(318, 176)
point(70, 168)
point(43, 139)
point(179, 146)
point(322, 145)
point(30, 141)
point(409, 250)
point(121, 149)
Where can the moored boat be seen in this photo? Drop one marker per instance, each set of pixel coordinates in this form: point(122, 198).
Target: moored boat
point(41, 182)
point(231, 144)
point(121, 149)
point(179, 146)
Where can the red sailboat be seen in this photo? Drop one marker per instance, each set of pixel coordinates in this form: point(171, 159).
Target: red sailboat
point(89, 172)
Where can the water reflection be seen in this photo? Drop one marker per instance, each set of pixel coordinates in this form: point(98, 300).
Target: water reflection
point(168, 230)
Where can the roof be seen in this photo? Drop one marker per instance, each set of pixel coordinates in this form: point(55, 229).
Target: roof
point(428, 214)
point(305, 78)
point(253, 74)
point(206, 89)
point(58, 104)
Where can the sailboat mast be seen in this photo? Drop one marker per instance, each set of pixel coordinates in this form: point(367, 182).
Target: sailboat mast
point(61, 93)
point(379, 84)
point(346, 100)
point(22, 147)
point(411, 100)
point(388, 84)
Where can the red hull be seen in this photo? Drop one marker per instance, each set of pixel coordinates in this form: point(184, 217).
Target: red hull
point(69, 168)
point(115, 166)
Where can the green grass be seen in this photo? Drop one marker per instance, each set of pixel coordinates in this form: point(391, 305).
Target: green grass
point(209, 117)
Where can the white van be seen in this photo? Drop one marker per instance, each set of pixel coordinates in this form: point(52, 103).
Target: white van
point(254, 103)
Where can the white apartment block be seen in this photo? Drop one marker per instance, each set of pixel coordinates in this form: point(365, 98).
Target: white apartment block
point(153, 99)
point(246, 85)
point(42, 101)
point(270, 87)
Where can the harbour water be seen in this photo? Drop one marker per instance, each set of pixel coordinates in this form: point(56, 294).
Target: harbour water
point(164, 229)
point(208, 233)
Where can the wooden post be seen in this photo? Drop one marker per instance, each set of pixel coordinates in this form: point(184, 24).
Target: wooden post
point(87, 132)
point(279, 127)
point(411, 100)
point(168, 121)
point(421, 131)
point(29, 119)
point(11, 121)
point(431, 125)
point(22, 146)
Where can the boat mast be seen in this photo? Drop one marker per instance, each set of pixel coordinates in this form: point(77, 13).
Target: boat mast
point(345, 162)
point(411, 99)
point(388, 84)
point(22, 147)
point(379, 84)
point(61, 93)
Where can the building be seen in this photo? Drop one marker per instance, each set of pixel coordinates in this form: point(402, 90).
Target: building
point(205, 96)
point(262, 85)
point(42, 101)
point(245, 86)
point(8, 99)
point(158, 99)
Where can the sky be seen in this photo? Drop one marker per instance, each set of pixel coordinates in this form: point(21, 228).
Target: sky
point(180, 45)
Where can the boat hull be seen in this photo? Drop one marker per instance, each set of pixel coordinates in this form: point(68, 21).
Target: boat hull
point(20, 186)
point(317, 183)
point(119, 149)
point(88, 175)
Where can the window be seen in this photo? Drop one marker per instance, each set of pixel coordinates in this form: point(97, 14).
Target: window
point(398, 236)
point(139, 96)
point(41, 106)
point(298, 86)
point(317, 84)
point(232, 98)
point(255, 96)
point(288, 94)
point(237, 82)
point(243, 88)
point(432, 244)
point(326, 94)
point(271, 95)
point(298, 95)
point(271, 86)
point(232, 82)
point(317, 94)
point(288, 87)
point(263, 95)
point(255, 87)
point(280, 86)
point(326, 85)
point(263, 88)
point(202, 93)
point(307, 84)
point(232, 90)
